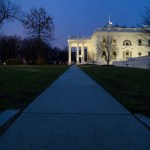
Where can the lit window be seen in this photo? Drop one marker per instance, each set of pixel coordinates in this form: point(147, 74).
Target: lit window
point(114, 55)
point(127, 55)
point(148, 42)
point(139, 42)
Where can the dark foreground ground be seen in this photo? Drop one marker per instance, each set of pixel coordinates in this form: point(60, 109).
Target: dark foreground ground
point(19, 85)
point(75, 113)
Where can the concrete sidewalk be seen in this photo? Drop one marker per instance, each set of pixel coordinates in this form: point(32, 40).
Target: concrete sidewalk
point(75, 113)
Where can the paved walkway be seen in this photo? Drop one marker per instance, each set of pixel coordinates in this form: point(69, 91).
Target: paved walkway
point(75, 113)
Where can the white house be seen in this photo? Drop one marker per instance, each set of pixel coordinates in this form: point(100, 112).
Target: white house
point(130, 42)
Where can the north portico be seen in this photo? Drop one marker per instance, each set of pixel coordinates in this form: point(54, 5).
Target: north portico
point(80, 46)
point(130, 42)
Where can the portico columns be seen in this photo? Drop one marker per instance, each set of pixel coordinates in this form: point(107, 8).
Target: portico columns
point(69, 55)
point(77, 54)
point(82, 54)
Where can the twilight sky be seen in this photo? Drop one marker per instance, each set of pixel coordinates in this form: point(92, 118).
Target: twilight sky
point(81, 17)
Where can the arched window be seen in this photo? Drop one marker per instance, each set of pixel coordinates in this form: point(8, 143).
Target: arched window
point(127, 43)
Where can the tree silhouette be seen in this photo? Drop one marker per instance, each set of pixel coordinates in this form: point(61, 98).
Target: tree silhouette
point(107, 49)
point(39, 25)
point(9, 11)
point(9, 47)
point(146, 22)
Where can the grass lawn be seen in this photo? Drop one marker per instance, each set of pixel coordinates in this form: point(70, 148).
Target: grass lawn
point(19, 85)
point(129, 86)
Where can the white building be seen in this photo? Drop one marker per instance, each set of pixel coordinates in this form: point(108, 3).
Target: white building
point(130, 42)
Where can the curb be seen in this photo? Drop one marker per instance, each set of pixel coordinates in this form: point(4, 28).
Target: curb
point(7, 117)
point(143, 119)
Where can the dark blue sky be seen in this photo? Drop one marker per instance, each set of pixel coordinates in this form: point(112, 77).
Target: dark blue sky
point(81, 17)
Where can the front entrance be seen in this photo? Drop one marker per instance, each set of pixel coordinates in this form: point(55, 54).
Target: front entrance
point(77, 53)
point(127, 54)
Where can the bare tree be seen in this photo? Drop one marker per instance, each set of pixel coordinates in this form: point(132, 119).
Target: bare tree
point(144, 28)
point(146, 22)
point(29, 51)
point(8, 11)
point(92, 56)
point(107, 49)
point(40, 26)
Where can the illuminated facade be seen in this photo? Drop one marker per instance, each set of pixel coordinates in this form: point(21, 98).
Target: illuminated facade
point(130, 42)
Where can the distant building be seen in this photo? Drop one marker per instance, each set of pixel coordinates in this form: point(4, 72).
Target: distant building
point(131, 42)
